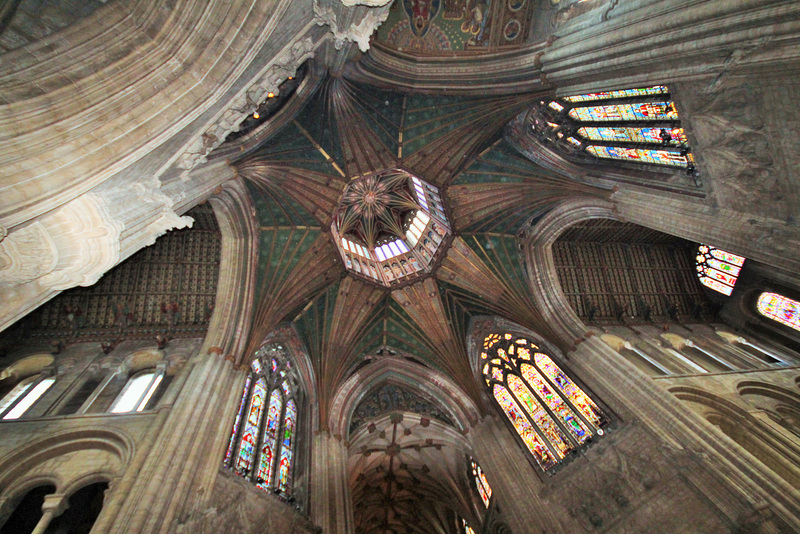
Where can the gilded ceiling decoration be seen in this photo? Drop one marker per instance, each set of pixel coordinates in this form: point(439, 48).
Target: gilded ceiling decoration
point(352, 165)
point(430, 27)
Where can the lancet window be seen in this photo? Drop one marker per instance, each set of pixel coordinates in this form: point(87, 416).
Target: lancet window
point(718, 269)
point(551, 413)
point(779, 308)
point(484, 489)
point(638, 125)
point(262, 443)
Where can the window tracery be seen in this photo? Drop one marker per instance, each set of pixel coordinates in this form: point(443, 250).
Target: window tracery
point(638, 125)
point(717, 269)
point(779, 308)
point(261, 446)
point(551, 414)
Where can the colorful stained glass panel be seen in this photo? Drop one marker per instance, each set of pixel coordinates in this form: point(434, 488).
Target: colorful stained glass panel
point(539, 416)
point(573, 424)
point(639, 155)
point(250, 433)
point(576, 396)
point(718, 269)
point(779, 308)
point(630, 134)
point(641, 111)
point(285, 465)
point(238, 419)
point(620, 93)
point(543, 456)
point(269, 439)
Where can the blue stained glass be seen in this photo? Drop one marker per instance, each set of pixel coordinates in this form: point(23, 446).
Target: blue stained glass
point(631, 134)
point(619, 93)
point(640, 111)
point(641, 155)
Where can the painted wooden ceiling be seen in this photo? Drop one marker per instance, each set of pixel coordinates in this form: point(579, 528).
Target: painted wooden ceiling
point(454, 142)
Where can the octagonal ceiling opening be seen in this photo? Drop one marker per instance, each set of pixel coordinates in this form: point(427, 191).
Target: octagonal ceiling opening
point(390, 227)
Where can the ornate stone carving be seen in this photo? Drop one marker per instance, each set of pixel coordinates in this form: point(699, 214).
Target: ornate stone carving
point(26, 255)
point(72, 246)
point(285, 64)
point(355, 33)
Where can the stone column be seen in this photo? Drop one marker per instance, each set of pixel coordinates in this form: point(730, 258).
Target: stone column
point(515, 484)
point(331, 504)
point(54, 505)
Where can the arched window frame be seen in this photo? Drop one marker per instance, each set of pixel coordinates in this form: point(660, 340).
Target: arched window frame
point(274, 371)
point(637, 126)
point(16, 403)
point(779, 308)
point(540, 428)
point(139, 404)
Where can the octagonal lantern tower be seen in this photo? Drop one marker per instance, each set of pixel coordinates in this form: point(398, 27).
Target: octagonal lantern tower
point(390, 227)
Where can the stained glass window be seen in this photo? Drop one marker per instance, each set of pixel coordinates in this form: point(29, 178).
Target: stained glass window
point(467, 528)
point(644, 155)
point(718, 269)
point(779, 308)
point(639, 125)
point(623, 93)
point(261, 446)
point(551, 413)
point(481, 483)
point(637, 111)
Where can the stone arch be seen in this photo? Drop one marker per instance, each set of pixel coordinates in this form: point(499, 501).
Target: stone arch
point(430, 384)
point(68, 460)
point(426, 459)
point(537, 251)
point(780, 455)
point(780, 404)
point(25, 367)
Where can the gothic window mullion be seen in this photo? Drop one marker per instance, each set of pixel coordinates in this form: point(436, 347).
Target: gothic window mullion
point(573, 443)
point(560, 392)
point(547, 440)
point(260, 435)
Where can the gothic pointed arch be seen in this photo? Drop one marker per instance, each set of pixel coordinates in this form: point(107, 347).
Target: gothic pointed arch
point(263, 442)
point(432, 387)
point(550, 411)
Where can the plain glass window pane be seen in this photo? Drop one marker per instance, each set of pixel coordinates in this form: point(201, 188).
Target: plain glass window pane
point(34, 394)
point(150, 392)
point(134, 391)
point(394, 249)
point(379, 253)
point(16, 393)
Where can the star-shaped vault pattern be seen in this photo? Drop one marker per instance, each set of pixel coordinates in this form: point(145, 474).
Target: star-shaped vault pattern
point(323, 170)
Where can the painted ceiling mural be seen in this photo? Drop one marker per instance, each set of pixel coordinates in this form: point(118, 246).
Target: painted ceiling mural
point(436, 26)
point(486, 189)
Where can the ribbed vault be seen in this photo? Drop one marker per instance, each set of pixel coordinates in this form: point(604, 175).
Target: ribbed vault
point(490, 191)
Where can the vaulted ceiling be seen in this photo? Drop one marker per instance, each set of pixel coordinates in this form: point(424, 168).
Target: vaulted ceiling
point(348, 130)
